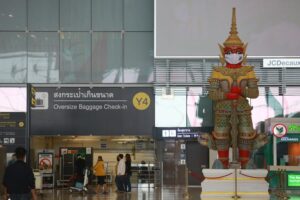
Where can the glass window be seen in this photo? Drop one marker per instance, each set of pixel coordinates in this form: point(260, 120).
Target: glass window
point(138, 57)
point(291, 106)
point(266, 106)
point(43, 15)
point(13, 15)
point(43, 57)
point(138, 15)
point(75, 57)
point(107, 57)
point(170, 110)
point(75, 15)
point(199, 108)
point(107, 15)
point(13, 56)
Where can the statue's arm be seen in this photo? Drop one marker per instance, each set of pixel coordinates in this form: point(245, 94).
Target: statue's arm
point(250, 86)
point(215, 92)
point(251, 90)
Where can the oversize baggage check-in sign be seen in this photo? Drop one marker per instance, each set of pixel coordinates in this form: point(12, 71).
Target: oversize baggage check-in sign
point(93, 111)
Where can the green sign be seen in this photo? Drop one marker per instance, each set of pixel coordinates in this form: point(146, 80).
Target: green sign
point(293, 180)
point(294, 128)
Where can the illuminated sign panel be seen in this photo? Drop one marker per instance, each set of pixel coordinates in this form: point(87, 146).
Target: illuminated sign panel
point(294, 128)
point(180, 132)
point(293, 180)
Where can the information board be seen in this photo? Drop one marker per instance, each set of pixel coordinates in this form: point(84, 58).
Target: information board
point(180, 132)
point(12, 130)
point(93, 111)
point(293, 180)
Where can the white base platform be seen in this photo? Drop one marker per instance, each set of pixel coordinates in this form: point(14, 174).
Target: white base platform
point(220, 184)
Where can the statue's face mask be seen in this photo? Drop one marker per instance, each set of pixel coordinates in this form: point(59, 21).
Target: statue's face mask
point(233, 55)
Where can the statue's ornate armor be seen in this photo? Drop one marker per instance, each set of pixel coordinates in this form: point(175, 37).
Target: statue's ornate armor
point(220, 82)
point(229, 87)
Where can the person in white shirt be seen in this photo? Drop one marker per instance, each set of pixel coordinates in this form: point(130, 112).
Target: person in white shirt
point(120, 178)
point(121, 173)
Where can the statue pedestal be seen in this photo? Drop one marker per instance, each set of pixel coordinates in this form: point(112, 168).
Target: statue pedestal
point(220, 184)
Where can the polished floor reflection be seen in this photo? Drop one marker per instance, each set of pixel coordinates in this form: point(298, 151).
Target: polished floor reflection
point(165, 193)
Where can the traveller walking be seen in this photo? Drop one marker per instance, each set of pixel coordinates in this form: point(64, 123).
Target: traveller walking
point(128, 173)
point(121, 173)
point(100, 173)
point(18, 179)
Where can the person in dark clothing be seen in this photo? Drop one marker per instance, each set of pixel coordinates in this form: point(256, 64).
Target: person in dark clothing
point(18, 181)
point(79, 168)
point(128, 173)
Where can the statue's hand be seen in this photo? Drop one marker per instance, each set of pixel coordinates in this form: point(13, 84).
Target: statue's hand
point(206, 139)
point(235, 89)
point(232, 96)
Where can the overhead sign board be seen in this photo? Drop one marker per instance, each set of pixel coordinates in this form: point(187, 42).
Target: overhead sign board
point(96, 111)
point(12, 130)
point(179, 132)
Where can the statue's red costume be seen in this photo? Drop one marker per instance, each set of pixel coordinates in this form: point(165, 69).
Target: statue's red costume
point(229, 87)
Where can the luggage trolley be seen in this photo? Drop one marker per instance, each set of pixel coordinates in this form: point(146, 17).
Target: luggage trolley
point(79, 185)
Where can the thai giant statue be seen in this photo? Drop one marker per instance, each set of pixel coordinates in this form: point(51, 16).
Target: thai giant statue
point(230, 86)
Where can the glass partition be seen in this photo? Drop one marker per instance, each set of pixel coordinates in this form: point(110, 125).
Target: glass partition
point(43, 57)
point(107, 57)
point(107, 15)
point(13, 57)
point(76, 41)
point(75, 56)
point(39, 12)
point(75, 15)
point(13, 15)
point(138, 50)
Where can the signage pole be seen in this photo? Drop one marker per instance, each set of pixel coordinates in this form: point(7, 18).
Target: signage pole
point(28, 114)
point(274, 150)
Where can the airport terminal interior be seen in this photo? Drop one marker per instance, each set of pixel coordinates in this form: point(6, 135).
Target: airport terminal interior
point(203, 95)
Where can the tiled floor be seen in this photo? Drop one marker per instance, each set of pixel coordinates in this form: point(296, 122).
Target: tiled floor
point(165, 193)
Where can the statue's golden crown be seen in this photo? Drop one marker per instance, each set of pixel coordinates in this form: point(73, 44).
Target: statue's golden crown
point(233, 39)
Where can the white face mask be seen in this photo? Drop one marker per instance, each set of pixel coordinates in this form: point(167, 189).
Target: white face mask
point(234, 58)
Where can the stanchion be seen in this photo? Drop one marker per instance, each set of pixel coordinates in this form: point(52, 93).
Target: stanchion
point(234, 121)
point(186, 192)
point(235, 166)
point(281, 189)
